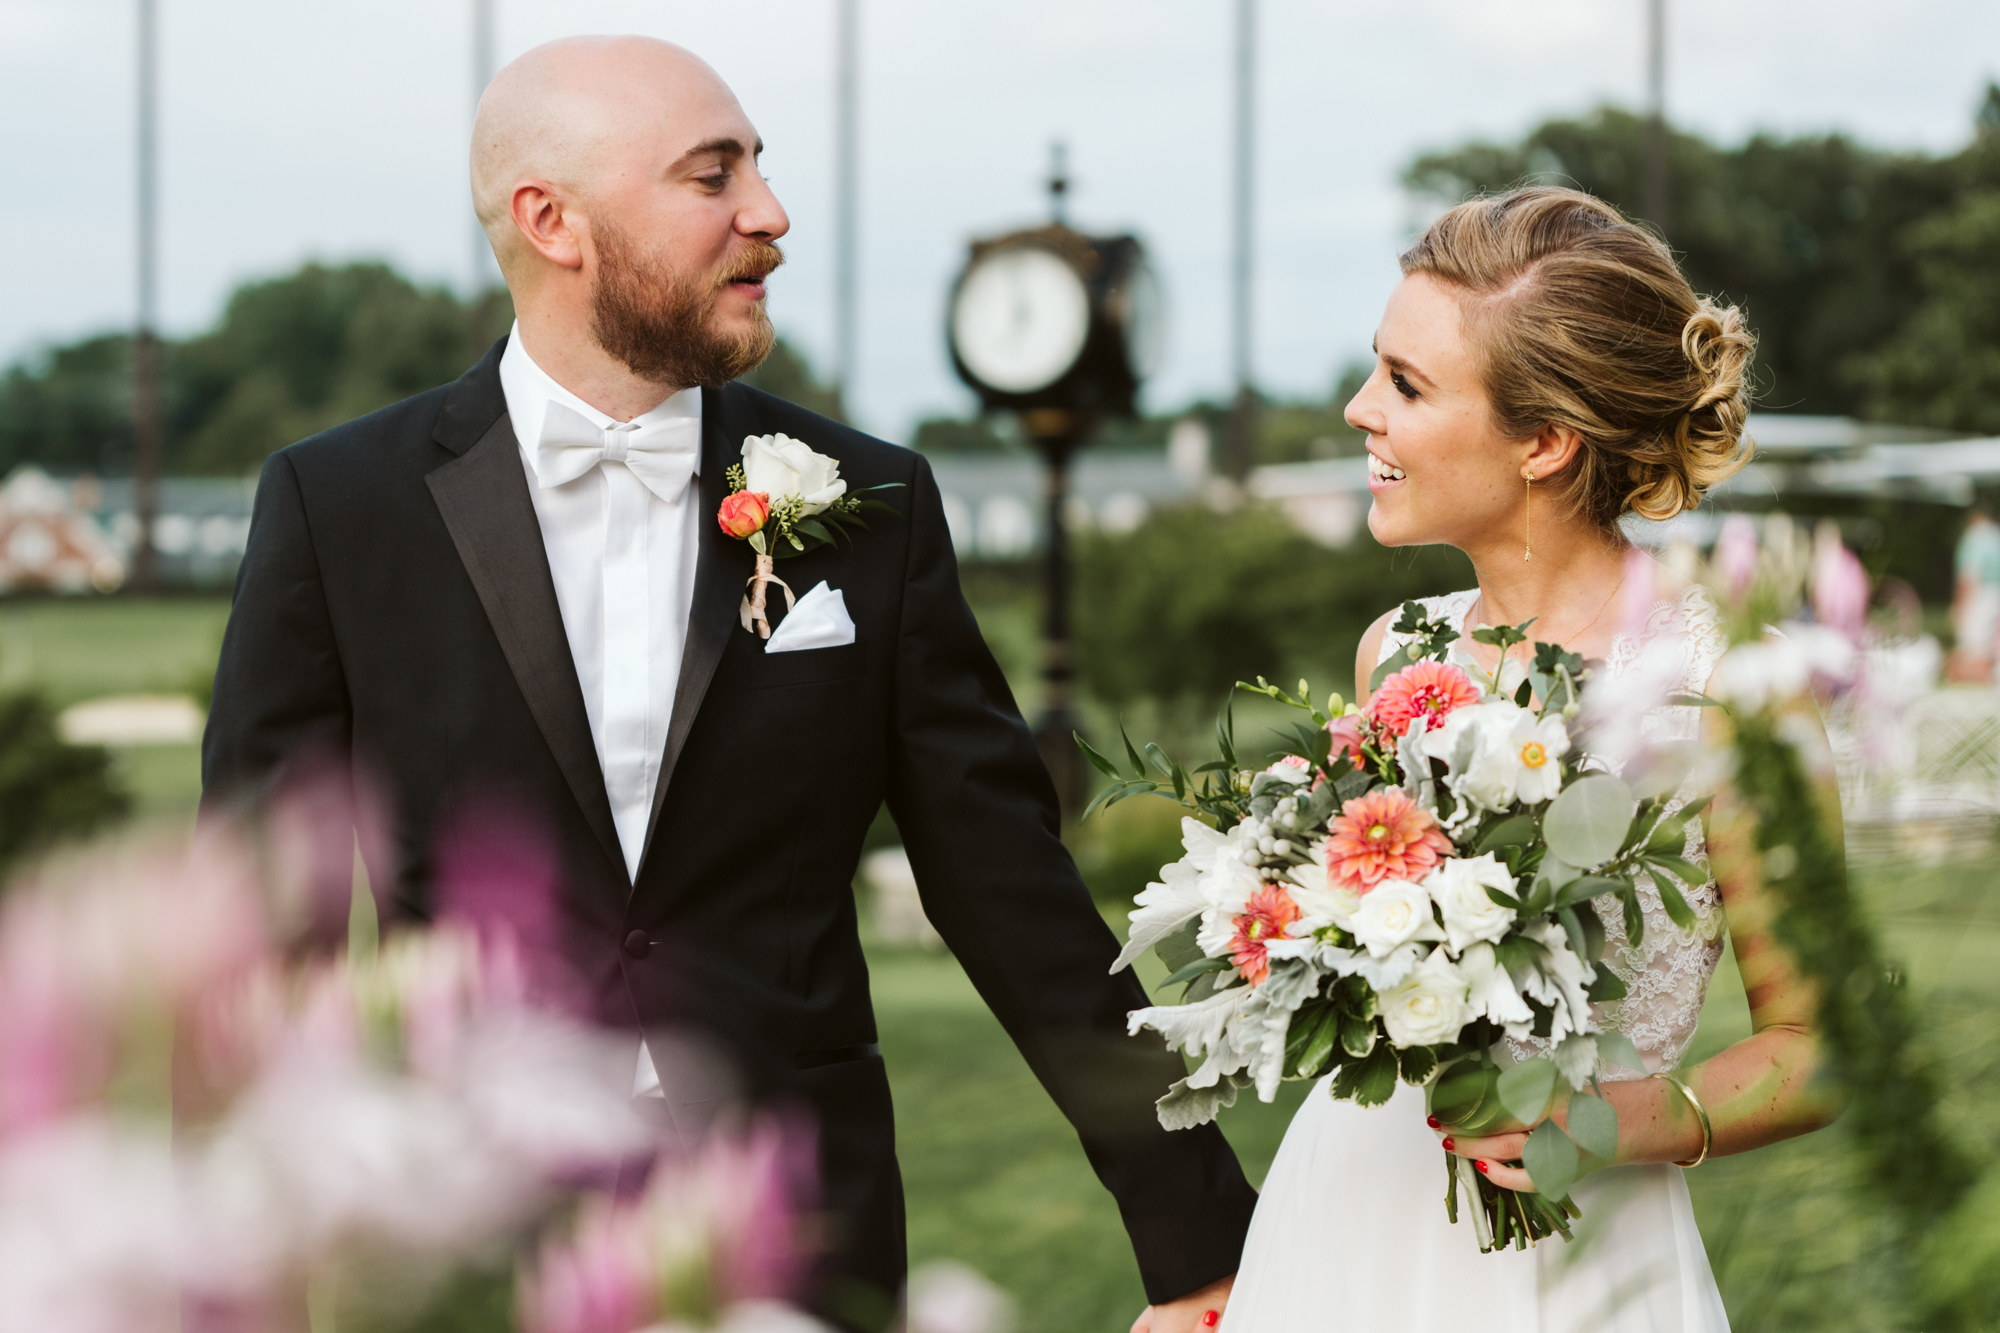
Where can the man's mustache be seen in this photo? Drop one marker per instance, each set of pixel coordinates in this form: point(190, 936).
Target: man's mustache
point(757, 260)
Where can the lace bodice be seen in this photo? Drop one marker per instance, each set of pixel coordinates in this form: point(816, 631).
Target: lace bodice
point(1666, 977)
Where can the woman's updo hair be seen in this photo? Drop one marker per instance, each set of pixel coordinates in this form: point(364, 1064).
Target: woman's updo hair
point(1578, 318)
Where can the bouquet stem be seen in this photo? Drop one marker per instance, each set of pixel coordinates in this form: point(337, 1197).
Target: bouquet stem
point(1502, 1217)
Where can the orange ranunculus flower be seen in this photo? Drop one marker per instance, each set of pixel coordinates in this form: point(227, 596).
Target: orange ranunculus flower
point(1430, 690)
point(744, 513)
point(1271, 910)
point(1382, 835)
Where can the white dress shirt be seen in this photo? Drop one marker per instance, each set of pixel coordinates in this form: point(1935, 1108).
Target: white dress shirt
point(623, 560)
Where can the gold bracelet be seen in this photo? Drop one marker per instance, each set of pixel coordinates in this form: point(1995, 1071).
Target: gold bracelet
point(1701, 1114)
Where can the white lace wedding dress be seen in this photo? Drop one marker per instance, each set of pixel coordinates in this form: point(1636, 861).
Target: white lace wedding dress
point(1350, 1233)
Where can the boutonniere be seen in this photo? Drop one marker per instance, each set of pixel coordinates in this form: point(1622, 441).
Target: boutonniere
point(784, 499)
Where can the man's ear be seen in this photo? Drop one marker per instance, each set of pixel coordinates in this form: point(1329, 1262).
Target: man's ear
point(542, 215)
point(1553, 448)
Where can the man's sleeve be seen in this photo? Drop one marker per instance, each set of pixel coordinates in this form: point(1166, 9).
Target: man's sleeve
point(978, 816)
point(280, 695)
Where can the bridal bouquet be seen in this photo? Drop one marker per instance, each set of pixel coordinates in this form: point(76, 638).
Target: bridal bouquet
point(1410, 888)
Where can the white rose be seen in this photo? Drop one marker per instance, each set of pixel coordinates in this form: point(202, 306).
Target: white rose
point(780, 466)
point(1459, 884)
point(1392, 914)
point(1428, 1006)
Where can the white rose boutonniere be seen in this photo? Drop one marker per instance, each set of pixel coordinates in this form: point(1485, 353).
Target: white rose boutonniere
point(784, 499)
point(778, 466)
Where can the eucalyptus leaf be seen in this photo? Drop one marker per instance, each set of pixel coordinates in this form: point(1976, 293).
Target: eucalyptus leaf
point(1551, 1159)
point(1526, 1088)
point(1615, 1048)
point(1587, 822)
point(1461, 1092)
point(1593, 1123)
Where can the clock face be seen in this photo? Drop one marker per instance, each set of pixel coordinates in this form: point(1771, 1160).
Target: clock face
point(1020, 319)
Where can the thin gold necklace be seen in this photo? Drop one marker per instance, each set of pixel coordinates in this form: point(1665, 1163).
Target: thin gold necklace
point(1587, 627)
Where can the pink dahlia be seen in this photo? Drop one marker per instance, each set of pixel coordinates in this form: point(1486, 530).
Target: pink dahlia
point(1382, 835)
point(1271, 910)
point(1430, 690)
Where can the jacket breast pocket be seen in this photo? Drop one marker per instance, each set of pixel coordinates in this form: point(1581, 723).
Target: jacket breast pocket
point(807, 666)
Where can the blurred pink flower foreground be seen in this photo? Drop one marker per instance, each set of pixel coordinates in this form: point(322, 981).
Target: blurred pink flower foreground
point(202, 1115)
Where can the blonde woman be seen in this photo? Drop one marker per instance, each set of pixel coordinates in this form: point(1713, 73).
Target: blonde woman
point(1544, 369)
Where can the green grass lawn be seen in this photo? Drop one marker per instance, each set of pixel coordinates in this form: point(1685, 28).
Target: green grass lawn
point(73, 650)
point(995, 1177)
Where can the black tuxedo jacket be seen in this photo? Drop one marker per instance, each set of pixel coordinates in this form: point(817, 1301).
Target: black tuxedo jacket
point(395, 606)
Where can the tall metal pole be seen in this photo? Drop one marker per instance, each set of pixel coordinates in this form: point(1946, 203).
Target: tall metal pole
point(1241, 448)
point(485, 271)
point(1056, 435)
point(846, 207)
point(1659, 198)
point(146, 423)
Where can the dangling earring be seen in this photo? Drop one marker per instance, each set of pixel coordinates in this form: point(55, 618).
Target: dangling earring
point(1528, 522)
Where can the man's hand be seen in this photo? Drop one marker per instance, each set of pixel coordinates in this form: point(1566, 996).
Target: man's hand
point(1186, 1314)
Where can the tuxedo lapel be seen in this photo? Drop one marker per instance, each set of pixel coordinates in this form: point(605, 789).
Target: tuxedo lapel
point(483, 496)
point(721, 567)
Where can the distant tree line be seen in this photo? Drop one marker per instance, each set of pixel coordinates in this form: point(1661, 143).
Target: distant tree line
point(291, 356)
point(1872, 278)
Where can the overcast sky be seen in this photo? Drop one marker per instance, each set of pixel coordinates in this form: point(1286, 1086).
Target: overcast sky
point(335, 129)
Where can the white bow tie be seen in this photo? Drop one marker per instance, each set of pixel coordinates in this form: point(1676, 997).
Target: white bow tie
point(662, 455)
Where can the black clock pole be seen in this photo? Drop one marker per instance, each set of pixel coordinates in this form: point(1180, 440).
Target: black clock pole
point(1056, 433)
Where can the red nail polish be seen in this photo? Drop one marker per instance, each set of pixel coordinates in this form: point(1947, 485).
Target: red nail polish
point(1209, 1319)
point(1480, 1166)
point(1448, 1144)
point(1433, 1122)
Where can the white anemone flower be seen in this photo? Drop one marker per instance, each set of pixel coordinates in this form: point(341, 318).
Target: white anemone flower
point(1534, 752)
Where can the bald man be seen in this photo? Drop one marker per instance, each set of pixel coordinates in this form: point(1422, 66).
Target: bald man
point(508, 602)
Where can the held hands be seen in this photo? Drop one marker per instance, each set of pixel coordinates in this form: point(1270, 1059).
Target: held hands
point(1196, 1312)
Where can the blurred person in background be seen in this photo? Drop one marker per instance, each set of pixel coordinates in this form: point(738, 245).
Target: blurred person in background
point(1975, 603)
point(511, 605)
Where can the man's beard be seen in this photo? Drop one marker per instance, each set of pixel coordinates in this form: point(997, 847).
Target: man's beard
point(657, 322)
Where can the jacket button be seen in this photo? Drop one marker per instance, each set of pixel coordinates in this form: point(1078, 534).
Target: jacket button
point(637, 945)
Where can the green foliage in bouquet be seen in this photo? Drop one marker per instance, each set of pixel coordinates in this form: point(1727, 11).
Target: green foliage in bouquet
point(1590, 841)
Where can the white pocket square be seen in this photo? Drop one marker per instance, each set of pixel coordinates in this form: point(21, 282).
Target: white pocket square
point(820, 620)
